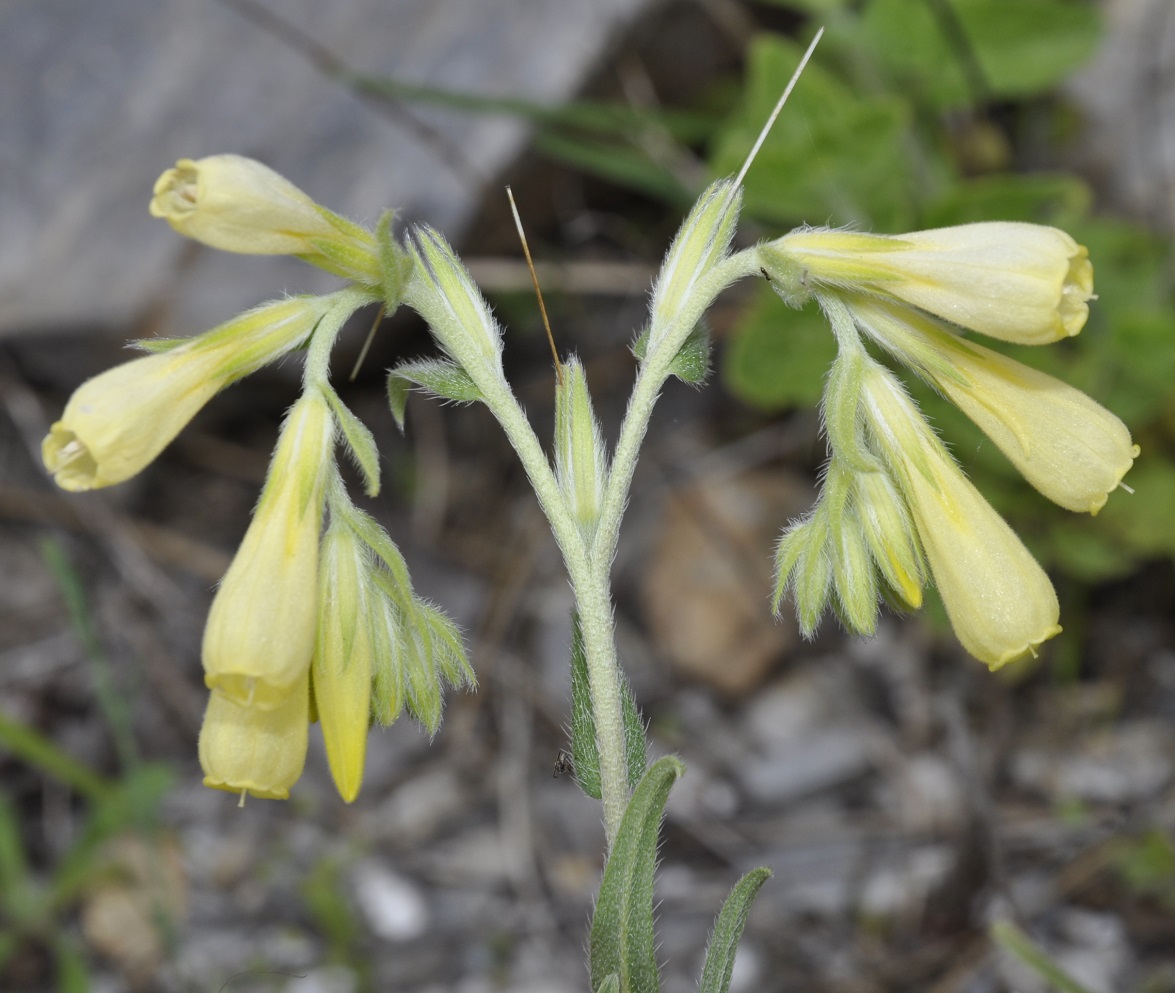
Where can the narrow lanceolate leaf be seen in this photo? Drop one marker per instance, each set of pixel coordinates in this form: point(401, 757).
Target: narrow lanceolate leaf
point(691, 364)
point(634, 736)
point(622, 927)
point(728, 930)
point(158, 344)
point(440, 377)
point(360, 442)
point(584, 750)
point(447, 645)
point(584, 747)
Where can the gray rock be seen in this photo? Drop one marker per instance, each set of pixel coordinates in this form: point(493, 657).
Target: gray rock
point(818, 761)
point(1122, 764)
point(394, 907)
point(97, 99)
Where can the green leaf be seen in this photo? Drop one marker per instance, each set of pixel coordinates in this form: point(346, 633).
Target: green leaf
point(360, 442)
point(440, 377)
point(1029, 46)
point(837, 155)
point(1040, 198)
point(728, 931)
point(610, 985)
point(780, 356)
point(634, 736)
point(422, 688)
point(963, 51)
point(1142, 521)
point(447, 645)
point(394, 579)
point(622, 940)
point(156, 345)
point(584, 748)
point(691, 364)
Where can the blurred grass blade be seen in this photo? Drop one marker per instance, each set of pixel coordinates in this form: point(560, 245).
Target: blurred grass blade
point(16, 886)
point(728, 930)
point(37, 750)
point(622, 939)
point(1009, 937)
point(625, 166)
point(114, 703)
point(584, 115)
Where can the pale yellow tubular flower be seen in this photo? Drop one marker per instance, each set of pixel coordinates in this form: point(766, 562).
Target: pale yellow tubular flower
point(342, 666)
point(237, 204)
point(260, 634)
point(1065, 444)
point(118, 422)
point(1023, 283)
point(246, 749)
point(1000, 602)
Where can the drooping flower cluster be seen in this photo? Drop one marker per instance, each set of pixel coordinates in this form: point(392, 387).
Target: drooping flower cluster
point(894, 501)
point(305, 625)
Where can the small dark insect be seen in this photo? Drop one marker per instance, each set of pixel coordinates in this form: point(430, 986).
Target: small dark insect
point(564, 764)
point(765, 275)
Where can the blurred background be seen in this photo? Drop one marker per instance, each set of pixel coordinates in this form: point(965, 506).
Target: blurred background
point(904, 797)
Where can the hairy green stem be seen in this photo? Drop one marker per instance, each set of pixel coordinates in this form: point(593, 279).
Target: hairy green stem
point(316, 372)
point(589, 568)
point(653, 373)
point(593, 598)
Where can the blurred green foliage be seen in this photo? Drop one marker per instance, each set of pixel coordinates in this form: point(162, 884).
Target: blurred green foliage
point(1146, 865)
point(37, 905)
point(893, 127)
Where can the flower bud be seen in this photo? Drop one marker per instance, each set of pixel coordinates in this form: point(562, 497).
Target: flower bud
point(119, 421)
point(444, 294)
point(260, 634)
point(580, 460)
point(237, 204)
point(341, 670)
point(1023, 283)
point(702, 242)
point(247, 749)
point(1000, 602)
point(889, 533)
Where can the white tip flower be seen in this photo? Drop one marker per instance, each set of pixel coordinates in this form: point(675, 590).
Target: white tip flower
point(237, 204)
point(1023, 283)
point(118, 422)
point(1069, 447)
point(261, 629)
point(1000, 602)
point(247, 749)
